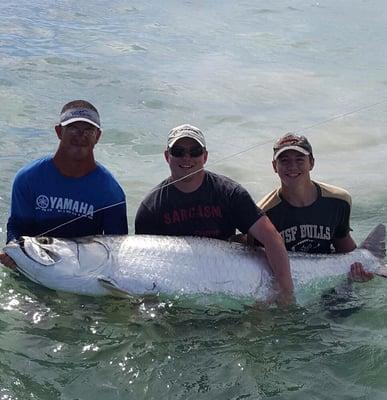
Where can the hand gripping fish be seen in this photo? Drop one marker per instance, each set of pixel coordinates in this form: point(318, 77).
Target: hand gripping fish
point(143, 265)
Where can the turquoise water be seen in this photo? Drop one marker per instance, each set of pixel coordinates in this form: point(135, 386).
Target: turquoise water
point(245, 72)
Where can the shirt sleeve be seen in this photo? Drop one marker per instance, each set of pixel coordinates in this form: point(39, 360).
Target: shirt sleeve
point(21, 220)
point(115, 220)
point(246, 211)
point(145, 222)
point(343, 227)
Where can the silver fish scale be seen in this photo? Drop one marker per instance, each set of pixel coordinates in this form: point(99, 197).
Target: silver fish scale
point(308, 267)
point(104, 265)
point(190, 265)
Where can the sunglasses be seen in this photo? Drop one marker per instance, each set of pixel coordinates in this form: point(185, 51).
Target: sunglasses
point(179, 152)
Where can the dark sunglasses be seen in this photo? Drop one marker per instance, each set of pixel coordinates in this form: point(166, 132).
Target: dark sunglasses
point(178, 152)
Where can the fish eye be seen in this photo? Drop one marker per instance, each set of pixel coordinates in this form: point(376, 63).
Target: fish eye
point(45, 240)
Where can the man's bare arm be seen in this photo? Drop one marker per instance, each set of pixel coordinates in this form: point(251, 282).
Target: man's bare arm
point(264, 231)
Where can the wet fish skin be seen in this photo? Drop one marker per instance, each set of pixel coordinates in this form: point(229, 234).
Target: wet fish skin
point(141, 265)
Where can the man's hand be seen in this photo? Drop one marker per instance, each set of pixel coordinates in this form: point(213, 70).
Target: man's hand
point(7, 261)
point(285, 299)
point(359, 274)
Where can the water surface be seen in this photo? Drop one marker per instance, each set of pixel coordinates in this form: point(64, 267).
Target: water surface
point(245, 72)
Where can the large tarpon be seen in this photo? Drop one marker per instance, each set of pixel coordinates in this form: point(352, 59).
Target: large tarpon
point(144, 265)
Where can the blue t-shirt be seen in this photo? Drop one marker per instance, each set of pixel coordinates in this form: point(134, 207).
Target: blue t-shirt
point(43, 199)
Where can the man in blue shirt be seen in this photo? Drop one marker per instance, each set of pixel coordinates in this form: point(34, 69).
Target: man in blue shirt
point(68, 194)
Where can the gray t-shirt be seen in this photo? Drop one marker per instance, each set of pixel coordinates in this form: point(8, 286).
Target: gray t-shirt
point(216, 209)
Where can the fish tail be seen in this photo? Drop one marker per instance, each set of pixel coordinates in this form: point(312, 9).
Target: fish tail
point(375, 242)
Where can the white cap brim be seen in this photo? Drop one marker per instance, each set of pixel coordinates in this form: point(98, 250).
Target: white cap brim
point(286, 148)
point(77, 119)
point(174, 140)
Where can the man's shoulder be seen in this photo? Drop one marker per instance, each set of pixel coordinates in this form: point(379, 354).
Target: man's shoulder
point(219, 178)
point(34, 167)
point(101, 169)
point(104, 173)
point(157, 192)
point(103, 178)
point(269, 201)
point(221, 181)
point(334, 192)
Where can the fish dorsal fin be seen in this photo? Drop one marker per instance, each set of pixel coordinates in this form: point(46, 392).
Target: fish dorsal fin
point(375, 242)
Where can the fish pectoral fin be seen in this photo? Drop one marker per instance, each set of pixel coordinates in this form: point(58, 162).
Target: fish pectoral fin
point(112, 286)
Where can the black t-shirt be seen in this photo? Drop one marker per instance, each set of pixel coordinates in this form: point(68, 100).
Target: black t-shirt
point(216, 209)
point(310, 229)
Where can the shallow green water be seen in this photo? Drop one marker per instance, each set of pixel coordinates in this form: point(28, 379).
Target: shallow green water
point(245, 72)
point(66, 347)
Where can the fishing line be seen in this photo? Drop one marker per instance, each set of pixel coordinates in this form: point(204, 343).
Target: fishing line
point(270, 141)
point(314, 125)
point(325, 121)
point(80, 217)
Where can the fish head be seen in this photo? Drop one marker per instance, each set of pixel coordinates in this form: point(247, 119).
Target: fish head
point(70, 265)
point(37, 256)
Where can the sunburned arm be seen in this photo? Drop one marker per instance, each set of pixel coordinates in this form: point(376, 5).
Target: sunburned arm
point(264, 231)
point(357, 272)
point(7, 261)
